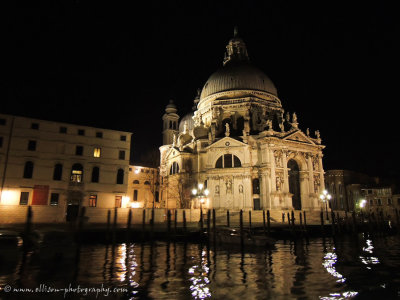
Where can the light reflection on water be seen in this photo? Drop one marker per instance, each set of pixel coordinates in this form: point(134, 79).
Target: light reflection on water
point(324, 269)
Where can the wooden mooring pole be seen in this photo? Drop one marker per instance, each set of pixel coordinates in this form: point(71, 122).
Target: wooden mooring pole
point(128, 226)
point(250, 220)
point(268, 222)
point(264, 229)
point(227, 219)
point(241, 226)
point(114, 228)
point(201, 221)
point(184, 220)
point(321, 214)
point(108, 226)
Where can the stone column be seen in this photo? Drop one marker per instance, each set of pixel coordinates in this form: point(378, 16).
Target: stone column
point(321, 172)
point(285, 172)
point(310, 174)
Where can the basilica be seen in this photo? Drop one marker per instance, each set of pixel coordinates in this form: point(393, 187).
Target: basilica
point(238, 148)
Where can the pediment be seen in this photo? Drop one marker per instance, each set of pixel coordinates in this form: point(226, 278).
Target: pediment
point(299, 137)
point(227, 142)
point(171, 153)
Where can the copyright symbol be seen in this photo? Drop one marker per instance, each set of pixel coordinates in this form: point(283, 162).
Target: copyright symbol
point(7, 288)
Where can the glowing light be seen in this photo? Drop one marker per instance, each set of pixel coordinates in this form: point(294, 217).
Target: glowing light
point(96, 152)
point(125, 201)
point(135, 205)
point(206, 192)
point(363, 203)
point(194, 191)
point(9, 197)
point(137, 171)
point(200, 186)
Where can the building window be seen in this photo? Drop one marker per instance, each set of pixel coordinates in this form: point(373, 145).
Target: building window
point(79, 150)
point(63, 129)
point(28, 169)
point(371, 202)
point(81, 132)
point(92, 200)
point(256, 186)
point(120, 176)
point(77, 173)
point(389, 201)
point(157, 197)
point(123, 137)
point(147, 182)
point(95, 174)
point(57, 174)
point(118, 201)
point(135, 195)
point(23, 200)
point(228, 161)
point(97, 152)
point(379, 201)
point(1, 141)
point(3, 122)
point(32, 145)
point(54, 198)
point(136, 182)
point(35, 126)
point(121, 154)
point(174, 168)
point(99, 134)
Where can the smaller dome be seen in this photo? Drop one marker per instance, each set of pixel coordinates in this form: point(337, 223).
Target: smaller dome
point(200, 132)
point(188, 118)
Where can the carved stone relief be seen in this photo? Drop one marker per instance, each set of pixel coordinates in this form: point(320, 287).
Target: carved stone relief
point(278, 158)
point(317, 182)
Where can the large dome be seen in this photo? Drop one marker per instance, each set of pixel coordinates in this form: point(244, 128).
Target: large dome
point(238, 75)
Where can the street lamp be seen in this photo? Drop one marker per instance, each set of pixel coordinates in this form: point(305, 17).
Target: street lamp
point(362, 204)
point(200, 193)
point(325, 197)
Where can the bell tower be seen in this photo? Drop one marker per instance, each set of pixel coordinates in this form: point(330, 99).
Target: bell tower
point(170, 123)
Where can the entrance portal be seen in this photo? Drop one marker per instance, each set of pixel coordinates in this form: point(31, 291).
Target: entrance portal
point(294, 183)
point(256, 202)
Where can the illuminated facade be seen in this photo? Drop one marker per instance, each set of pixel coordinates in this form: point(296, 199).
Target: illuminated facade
point(58, 168)
point(240, 144)
point(143, 187)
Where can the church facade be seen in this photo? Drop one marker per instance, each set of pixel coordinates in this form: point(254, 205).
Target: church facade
point(239, 145)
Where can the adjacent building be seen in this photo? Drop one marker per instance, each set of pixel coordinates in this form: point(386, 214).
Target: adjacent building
point(346, 187)
point(143, 187)
point(58, 168)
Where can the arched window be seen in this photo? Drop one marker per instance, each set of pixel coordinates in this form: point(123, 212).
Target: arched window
point(77, 173)
point(28, 169)
point(256, 186)
point(228, 161)
point(136, 182)
point(95, 174)
point(147, 182)
point(120, 176)
point(174, 168)
point(57, 174)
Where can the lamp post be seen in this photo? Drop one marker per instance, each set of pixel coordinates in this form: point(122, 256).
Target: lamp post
point(200, 193)
point(325, 197)
point(362, 203)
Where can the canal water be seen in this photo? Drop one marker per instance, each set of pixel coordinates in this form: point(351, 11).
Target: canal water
point(349, 267)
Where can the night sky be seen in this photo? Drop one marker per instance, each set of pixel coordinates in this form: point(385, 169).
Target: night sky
point(115, 66)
